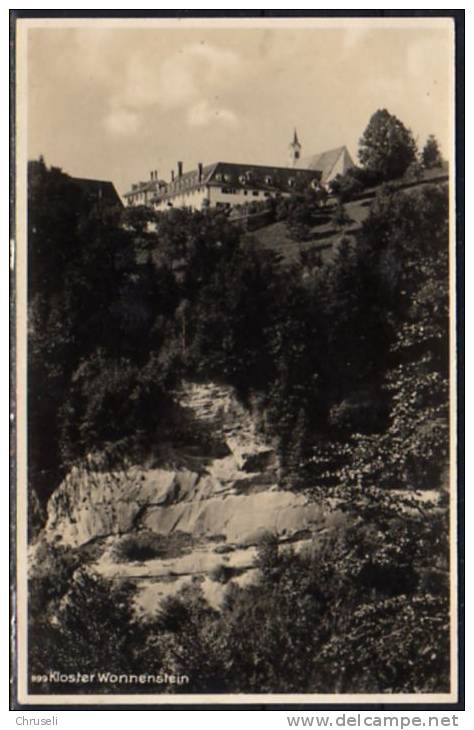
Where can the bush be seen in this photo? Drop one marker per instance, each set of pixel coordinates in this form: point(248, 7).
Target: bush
point(300, 232)
point(138, 548)
point(93, 629)
point(347, 186)
point(414, 172)
point(53, 569)
point(147, 545)
point(112, 399)
point(268, 556)
point(340, 218)
point(355, 414)
point(221, 573)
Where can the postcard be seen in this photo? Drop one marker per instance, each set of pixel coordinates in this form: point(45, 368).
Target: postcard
point(236, 413)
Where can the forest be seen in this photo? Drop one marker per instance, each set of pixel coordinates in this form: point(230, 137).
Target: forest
point(349, 368)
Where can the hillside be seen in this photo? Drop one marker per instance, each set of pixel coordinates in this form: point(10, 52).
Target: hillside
point(228, 466)
point(277, 238)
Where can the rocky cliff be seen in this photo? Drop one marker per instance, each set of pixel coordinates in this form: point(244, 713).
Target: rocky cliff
point(208, 516)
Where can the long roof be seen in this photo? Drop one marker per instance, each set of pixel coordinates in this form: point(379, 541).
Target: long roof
point(324, 161)
point(238, 175)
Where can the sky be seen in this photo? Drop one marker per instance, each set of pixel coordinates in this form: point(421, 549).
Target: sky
point(114, 103)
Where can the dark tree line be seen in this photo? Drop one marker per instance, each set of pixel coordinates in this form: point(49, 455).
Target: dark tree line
point(349, 369)
point(118, 314)
point(387, 153)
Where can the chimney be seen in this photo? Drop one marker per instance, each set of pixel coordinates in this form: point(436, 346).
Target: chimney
point(199, 171)
point(180, 169)
point(172, 175)
point(156, 174)
point(151, 175)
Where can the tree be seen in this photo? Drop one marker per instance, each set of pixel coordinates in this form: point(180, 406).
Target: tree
point(414, 172)
point(93, 628)
point(431, 155)
point(387, 147)
point(228, 321)
point(109, 401)
point(340, 218)
point(348, 185)
point(404, 243)
point(294, 453)
point(77, 261)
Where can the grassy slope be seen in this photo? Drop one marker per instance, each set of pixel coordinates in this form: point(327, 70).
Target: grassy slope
point(275, 237)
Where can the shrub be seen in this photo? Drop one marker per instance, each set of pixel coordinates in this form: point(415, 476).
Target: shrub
point(111, 399)
point(300, 232)
point(54, 567)
point(93, 629)
point(414, 172)
point(139, 547)
point(268, 556)
point(147, 545)
point(346, 186)
point(357, 413)
point(221, 573)
point(340, 218)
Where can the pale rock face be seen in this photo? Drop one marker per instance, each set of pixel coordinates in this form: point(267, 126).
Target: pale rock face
point(234, 500)
point(241, 518)
point(90, 504)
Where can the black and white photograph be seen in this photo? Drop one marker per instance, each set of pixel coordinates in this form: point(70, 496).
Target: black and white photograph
point(236, 411)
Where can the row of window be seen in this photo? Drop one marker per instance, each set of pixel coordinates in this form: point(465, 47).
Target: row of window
point(225, 190)
point(249, 177)
point(243, 179)
point(189, 193)
point(229, 191)
point(255, 193)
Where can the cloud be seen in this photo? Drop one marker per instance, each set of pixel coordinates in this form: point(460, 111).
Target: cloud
point(122, 122)
point(188, 81)
point(138, 74)
point(196, 71)
point(203, 113)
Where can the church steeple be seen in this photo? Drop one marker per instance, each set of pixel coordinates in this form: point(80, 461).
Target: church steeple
point(295, 149)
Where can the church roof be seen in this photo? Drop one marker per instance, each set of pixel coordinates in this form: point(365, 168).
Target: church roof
point(324, 161)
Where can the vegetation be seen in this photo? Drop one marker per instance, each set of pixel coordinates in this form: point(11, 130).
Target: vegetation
point(387, 575)
point(387, 152)
point(147, 545)
point(352, 183)
point(431, 155)
point(340, 217)
point(349, 366)
point(387, 147)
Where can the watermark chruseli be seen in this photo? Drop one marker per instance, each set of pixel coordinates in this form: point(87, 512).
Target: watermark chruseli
point(42, 721)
